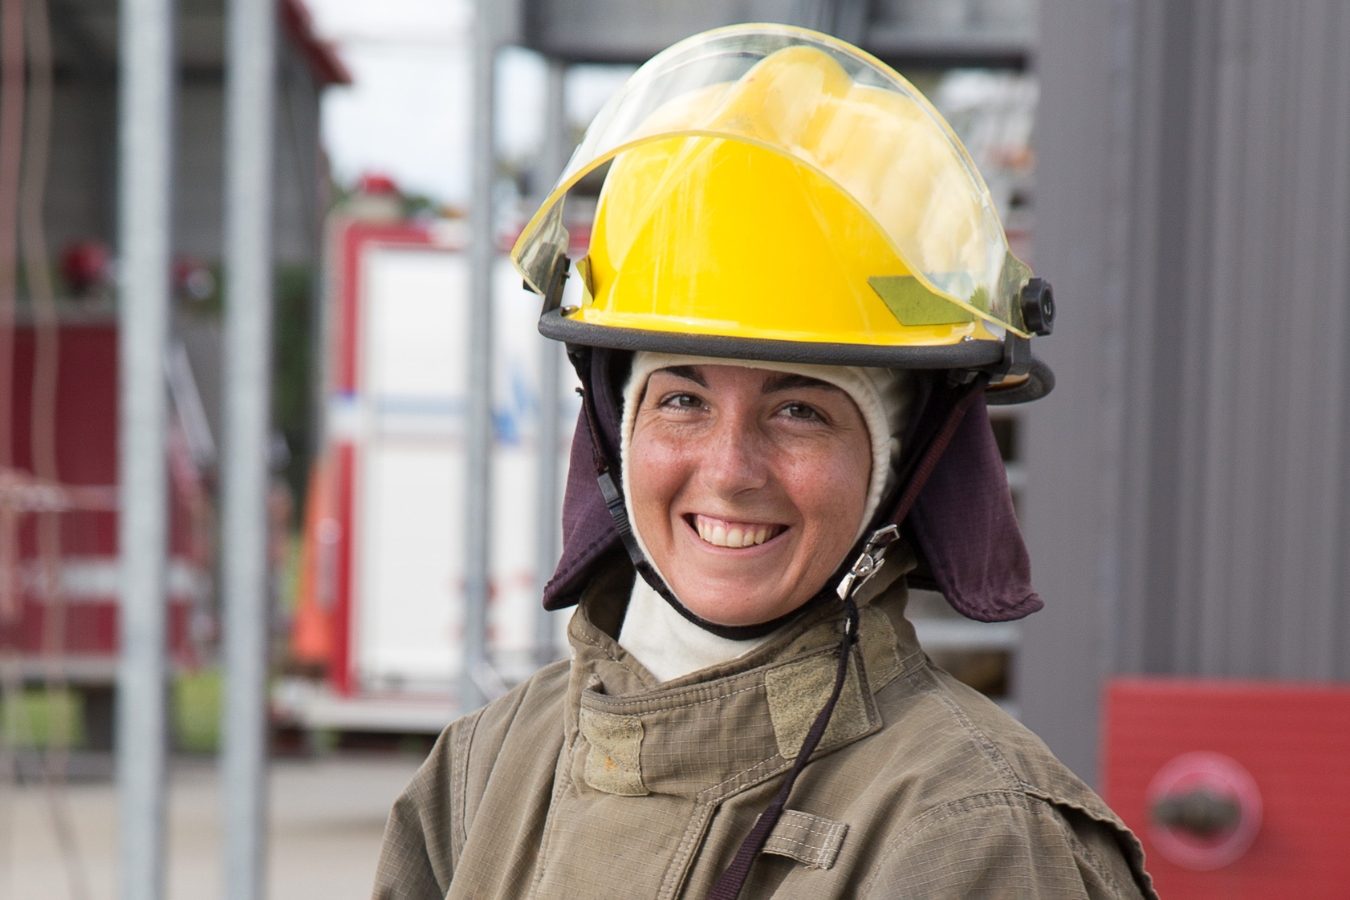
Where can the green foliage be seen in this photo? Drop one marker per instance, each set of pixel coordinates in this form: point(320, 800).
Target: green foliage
point(293, 367)
point(196, 711)
point(36, 718)
point(417, 205)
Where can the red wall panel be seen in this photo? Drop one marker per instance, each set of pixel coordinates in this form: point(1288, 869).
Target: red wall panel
point(86, 450)
point(1293, 739)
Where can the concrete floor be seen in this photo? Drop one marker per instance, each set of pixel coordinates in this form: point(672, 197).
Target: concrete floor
point(327, 816)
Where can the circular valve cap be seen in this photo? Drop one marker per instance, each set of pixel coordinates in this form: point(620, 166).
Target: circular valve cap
point(1204, 810)
point(1038, 306)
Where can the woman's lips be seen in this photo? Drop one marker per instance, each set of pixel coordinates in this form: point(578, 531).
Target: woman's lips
point(723, 533)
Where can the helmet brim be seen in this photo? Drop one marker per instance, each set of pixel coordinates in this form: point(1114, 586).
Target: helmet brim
point(964, 355)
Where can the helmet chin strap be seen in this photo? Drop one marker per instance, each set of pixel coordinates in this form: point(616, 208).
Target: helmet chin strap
point(614, 503)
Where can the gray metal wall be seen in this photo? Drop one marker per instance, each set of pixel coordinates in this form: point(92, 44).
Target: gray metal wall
point(1188, 504)
point(929, 33)
point(81, 189)
point(199, 173)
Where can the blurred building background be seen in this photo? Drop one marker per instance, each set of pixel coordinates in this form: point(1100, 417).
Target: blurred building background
point(78, 219)
point(1179, 169)
point(1187, 483)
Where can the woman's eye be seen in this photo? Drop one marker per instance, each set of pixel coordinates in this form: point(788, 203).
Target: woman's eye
point(801, 411)
point(682, 401)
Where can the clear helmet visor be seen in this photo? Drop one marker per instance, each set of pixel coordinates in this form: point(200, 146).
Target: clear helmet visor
point(833, 109)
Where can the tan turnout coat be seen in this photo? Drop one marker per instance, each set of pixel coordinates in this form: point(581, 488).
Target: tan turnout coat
point(591, 780)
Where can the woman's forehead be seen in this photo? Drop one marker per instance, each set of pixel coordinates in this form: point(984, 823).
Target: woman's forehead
point(770, 380)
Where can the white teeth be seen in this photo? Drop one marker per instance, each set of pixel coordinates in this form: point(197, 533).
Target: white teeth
point(723, 534)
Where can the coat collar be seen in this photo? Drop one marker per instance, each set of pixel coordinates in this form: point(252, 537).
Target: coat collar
point(720, 730)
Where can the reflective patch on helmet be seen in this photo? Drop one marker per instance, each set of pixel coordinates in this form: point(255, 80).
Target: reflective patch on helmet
point(613, 764)
point(913, 304)
point(583, 267)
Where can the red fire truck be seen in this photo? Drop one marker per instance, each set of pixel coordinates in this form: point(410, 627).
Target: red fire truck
point(66, 626)
point(380, 607)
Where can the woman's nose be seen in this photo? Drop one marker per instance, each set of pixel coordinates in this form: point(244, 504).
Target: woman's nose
point(734, 458)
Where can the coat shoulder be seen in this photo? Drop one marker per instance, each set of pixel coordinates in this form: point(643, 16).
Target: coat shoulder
point(972, 769)
point(510, 735)
point(1004, 844)
point(429, 823)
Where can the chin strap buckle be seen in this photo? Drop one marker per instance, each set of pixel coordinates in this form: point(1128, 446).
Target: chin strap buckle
point(869, 562)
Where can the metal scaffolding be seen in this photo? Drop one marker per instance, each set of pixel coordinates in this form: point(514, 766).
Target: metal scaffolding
point(557, 147)
point(146, 161)
point(477, 678)
point(250, 84)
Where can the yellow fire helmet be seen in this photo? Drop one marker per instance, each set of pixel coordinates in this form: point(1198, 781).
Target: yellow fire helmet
point(774, 193)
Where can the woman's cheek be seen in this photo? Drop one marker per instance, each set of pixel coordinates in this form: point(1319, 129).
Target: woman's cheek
point(829, 487)
point(654, 480)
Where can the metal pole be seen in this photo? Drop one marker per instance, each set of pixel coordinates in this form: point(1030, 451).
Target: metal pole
point(478, 489)
point(547, 526)
point(146, 160)
point(250, 86)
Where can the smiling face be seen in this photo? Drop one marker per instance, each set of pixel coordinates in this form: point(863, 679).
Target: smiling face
point(747, 486)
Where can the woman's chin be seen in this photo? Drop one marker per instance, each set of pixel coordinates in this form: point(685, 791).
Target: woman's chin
point(735, 604)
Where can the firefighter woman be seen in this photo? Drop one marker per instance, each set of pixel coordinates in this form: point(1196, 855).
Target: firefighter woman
point(796, 302)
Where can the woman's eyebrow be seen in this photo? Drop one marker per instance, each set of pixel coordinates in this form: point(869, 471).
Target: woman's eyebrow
point(690, 373)
point(789, 380)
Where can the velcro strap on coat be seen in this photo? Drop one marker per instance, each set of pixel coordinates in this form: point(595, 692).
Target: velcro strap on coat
point(811, 840)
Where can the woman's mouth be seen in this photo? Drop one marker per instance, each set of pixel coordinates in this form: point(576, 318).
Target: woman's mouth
point(722, 533)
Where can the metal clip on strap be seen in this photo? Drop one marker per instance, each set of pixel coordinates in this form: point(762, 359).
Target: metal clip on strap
point(869, 562)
